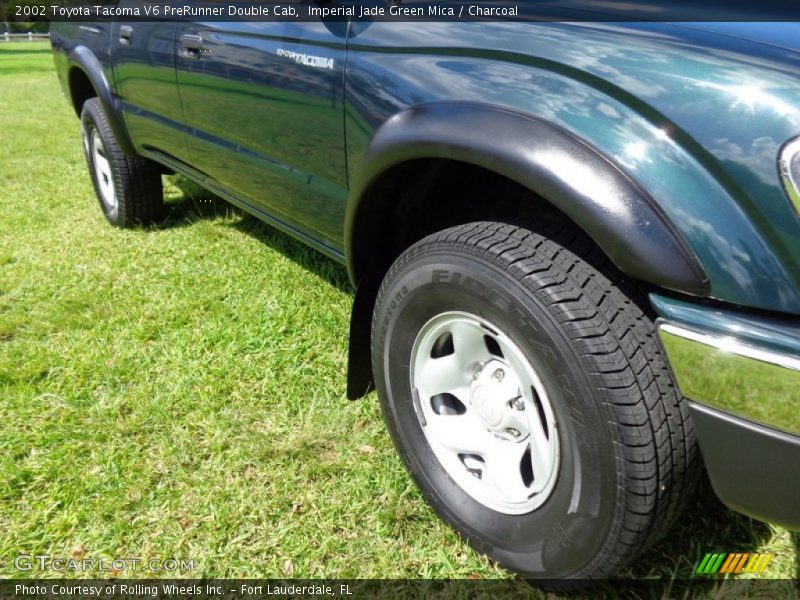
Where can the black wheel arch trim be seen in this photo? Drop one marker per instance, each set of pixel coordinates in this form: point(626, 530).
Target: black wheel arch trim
point(615, 211)
point(81, 57)
point(587, 186)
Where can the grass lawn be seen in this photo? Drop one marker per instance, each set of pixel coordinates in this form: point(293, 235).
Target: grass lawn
point(178, 392)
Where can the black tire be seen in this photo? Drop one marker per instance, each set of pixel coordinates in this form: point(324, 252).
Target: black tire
point(130, 192)
point(628, 458)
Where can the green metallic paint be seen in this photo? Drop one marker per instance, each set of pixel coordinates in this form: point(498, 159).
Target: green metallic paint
point(696, 118)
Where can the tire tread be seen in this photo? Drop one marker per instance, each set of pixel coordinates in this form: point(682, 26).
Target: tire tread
point(604, 316)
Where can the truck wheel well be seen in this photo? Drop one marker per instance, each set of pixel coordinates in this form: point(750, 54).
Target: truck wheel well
point(417, 198)
point(80, 89)
point(420, 197)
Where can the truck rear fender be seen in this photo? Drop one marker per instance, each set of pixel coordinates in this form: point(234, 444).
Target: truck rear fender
point(84, 60)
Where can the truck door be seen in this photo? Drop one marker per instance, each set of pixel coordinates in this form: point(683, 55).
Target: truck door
point(262, 103)
point(143, 56)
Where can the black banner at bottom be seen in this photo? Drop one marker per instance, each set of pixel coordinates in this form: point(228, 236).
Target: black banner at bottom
point(356, 589)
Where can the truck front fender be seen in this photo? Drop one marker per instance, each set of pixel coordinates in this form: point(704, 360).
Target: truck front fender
point(590, 188)
point(587, 186)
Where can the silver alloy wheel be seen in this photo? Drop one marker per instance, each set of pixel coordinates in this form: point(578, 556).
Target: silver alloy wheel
point(485, 412)
point(102, 172)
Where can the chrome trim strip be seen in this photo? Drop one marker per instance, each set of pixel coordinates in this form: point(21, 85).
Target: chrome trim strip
point(791, 181)
point(723, 372)
point(731, 344)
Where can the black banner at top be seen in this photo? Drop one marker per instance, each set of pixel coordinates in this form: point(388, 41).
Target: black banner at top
point(401, 10)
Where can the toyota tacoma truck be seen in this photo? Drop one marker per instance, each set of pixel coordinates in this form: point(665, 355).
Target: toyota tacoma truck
point(575, 246)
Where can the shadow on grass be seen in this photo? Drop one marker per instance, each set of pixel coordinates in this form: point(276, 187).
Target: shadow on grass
point(188, 202)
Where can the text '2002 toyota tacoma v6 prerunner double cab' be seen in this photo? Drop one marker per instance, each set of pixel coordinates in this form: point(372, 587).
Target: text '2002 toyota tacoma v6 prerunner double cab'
point(575, 246)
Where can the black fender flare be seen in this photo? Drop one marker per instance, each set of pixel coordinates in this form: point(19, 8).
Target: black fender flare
point(80, 57)
point(589, 187)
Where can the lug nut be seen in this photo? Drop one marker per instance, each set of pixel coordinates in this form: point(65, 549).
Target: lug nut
point(499, 374)
point(514, 432)
point(518, 403)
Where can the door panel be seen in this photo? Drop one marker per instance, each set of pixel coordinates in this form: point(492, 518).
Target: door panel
point(144, 72)
point(264, 117)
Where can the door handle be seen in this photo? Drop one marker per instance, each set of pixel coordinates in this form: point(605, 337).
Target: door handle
point(125, 34)
point(191, 46)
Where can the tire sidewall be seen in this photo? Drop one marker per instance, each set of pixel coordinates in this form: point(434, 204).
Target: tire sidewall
point(93, 120)
point(563, 536)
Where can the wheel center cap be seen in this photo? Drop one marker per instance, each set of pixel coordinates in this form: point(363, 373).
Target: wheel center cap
point(494, 387)
point(491, 411)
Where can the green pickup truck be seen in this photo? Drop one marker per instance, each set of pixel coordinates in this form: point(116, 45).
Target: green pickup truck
point(575, 246)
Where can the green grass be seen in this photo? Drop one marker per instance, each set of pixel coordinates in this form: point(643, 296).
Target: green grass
point(179, 391)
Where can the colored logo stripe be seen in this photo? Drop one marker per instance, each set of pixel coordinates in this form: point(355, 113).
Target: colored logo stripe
point(733, 563)
point(710, 564)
